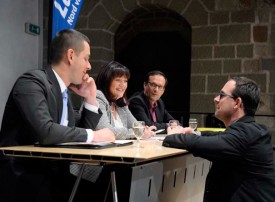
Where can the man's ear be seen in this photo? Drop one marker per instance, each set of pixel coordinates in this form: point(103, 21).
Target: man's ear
point(144, 85)
point(69, 55)
point(239, 102)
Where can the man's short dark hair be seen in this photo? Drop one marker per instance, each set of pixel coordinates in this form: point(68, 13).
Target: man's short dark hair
point(249, 91)
point(65, 40)
point(153, 73)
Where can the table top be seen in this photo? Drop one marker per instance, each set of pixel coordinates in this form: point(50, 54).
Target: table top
point(150, 150)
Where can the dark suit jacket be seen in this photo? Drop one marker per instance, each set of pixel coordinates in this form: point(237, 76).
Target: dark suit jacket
point(242, 161)
point(139, 106)
point(32, 114)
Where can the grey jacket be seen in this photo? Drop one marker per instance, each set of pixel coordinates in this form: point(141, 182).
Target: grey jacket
point(107, 121)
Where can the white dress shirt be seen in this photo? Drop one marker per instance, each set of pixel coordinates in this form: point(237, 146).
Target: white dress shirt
point(88, 106)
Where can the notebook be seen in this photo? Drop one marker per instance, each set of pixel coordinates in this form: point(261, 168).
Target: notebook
point(93, 145)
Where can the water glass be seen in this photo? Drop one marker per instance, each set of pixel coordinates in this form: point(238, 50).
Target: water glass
point(173, 123)
point(138, 128)
point(193, 123)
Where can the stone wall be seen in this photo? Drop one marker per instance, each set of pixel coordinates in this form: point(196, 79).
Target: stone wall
point(228, 38)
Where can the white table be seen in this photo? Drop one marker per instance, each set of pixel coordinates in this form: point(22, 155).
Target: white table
point(158, 173)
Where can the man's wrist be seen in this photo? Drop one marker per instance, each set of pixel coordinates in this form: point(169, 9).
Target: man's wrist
point(198, 133)
point(90, 107)
point(90, 135)
point(91, 101)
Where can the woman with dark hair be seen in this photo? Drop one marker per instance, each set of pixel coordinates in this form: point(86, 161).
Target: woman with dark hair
point(112, 82)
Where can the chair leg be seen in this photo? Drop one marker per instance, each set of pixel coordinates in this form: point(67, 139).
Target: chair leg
point(77, 183)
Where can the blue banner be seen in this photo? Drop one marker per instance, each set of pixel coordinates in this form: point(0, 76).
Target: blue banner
point(65, 13)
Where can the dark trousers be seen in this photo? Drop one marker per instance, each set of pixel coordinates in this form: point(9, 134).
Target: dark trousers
point(34, 180)
point(101, 190)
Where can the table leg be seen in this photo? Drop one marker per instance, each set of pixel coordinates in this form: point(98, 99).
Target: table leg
point(77, 182)
point(114, 188)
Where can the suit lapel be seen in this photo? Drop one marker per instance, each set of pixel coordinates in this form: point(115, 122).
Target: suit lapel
point(70, 111)
point(55, 90)
point(146, 104)
point(160, 112)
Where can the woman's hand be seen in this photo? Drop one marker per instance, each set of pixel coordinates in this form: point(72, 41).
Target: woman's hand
point(148, 131)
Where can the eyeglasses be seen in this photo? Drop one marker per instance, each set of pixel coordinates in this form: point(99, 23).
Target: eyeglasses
point(222, 95)
point(153, 85)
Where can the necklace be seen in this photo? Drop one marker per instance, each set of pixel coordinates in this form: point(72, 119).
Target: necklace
point(113, 108)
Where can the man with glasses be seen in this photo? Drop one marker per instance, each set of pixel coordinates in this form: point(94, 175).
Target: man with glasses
point(242, 156)
point(147, 105)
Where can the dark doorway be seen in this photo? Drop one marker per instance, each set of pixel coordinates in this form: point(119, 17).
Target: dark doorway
point(168, 52)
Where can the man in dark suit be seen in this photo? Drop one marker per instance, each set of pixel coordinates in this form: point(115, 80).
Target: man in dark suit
point(35, 113)
point(147, 105)
point(242, 156)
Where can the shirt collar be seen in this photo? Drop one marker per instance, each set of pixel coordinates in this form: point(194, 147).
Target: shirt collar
point(153, 106)
point(61, 82)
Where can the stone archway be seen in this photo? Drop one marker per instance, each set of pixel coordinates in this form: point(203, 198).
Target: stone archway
point(153, 38)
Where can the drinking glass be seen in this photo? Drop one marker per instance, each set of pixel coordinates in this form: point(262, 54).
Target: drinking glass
point(193, 123)
point(173, 123)
point(138, 128)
